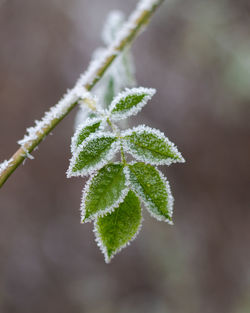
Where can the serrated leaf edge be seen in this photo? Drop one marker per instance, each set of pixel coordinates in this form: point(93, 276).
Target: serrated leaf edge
point(88, 122)
point(109, 209)
point(140, 130)
point(115, 146)
point(135, 109)
point(148, 204)
point(103, 248)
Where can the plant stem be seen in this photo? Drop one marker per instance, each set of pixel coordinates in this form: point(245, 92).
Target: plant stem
point(117, 132)
point(137, 20)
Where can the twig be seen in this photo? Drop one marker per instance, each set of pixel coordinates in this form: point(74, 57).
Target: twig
point(87, 81)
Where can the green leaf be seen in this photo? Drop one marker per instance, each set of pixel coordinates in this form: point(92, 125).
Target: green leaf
point(130, 102)
point(104, 191)
point(84, 131)
point(151, 146)
point(150, 184)
point(115, 230)
point(93, 154)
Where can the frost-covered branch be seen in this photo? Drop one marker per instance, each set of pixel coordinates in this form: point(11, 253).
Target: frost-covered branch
point(86, 82)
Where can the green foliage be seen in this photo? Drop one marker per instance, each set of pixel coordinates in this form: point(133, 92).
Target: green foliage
point(129, 102)
point(110, 195)
point(150, 145)
point(86, 131)
point(153, 189)
point(104, 192)
point(92, 154)
point(116, 229)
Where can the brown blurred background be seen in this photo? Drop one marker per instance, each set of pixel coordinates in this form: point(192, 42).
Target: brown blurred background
point(197, 54)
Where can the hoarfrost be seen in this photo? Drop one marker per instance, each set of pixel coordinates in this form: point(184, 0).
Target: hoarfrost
point(5, 164)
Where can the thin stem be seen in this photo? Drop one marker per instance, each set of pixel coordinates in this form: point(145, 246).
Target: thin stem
point(117, 132)
point(123, 155)
point(137, 20)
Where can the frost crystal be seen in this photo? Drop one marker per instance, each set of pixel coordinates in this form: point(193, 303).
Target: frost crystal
point(55, 112)
point(4, 165)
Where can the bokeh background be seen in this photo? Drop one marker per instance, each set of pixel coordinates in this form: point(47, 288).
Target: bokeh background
point(197, 54)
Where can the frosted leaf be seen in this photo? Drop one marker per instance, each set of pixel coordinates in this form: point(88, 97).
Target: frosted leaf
point(85, 130)
point(153, 188)
point(104, 191)
point(93, 154)
point(115, 230)
point(150, 146)
point(130, 102)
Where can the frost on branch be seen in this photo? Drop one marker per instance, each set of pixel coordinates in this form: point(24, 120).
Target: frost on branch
point(93, 154)
point(5, 164)
point(150, 146)
point(104, 191)
point(115, 230)
point(54, 113)
point(119, 75)
point(130, 102)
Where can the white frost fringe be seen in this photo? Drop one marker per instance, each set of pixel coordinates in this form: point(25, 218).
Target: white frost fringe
point(149, 92)
point(149, 204)
point(102, 247)
point(109, 209)
point(4, 165)
point(114, 147)
point(141, 129)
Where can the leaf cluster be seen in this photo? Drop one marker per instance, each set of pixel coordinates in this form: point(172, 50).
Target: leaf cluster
point(113, 195)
